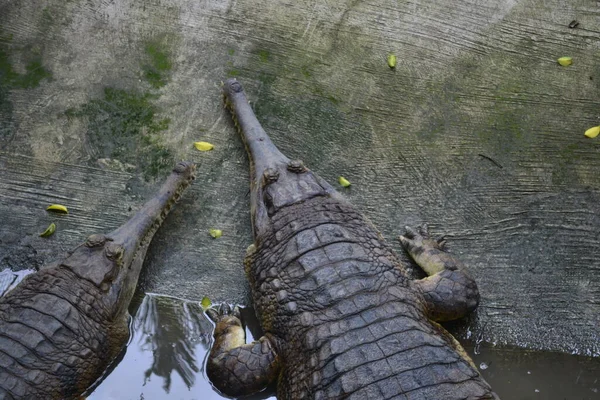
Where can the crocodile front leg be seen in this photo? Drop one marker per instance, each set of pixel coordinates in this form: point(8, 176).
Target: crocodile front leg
point(449, 291)
point(234, 367)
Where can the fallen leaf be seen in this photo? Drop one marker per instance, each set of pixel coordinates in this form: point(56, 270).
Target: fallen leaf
point(203, 146)
point(344, 182)
point(592, 132)
point(565, 61)
point(391, 59)
point(205, 303)
point(49, 230)
point(57, 208)
point(216, 233)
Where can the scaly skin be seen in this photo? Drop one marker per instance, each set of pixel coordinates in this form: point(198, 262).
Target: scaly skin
point(341, 318)
point(61, 327)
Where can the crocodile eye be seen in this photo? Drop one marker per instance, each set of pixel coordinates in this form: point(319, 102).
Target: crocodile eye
point(114, 251)
point(269, 176)
point(95, 240)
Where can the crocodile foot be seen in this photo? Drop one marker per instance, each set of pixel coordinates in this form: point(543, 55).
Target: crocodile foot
point(421, 236)
point(449, 291)
point(224, 313)
point(234, 367)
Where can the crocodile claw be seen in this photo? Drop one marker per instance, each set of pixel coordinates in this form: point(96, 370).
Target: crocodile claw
point(218, 313)
point(424, 230)
point(411, 232)
point(441, 241)
point(420, 237)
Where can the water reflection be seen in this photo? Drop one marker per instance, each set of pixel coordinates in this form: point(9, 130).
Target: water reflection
point(171, 329)
point(171, 337)
point(164, 359)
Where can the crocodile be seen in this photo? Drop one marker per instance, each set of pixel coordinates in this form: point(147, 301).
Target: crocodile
point(61, 327)
point(341, 316)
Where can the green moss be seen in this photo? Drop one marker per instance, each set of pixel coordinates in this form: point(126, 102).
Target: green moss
point(263, 55)
point(306, 71)
point(34, 75)
point(323, 123)
point(319, 91)
point(11, 80)
point(157, 70)
point(231, 52)
point(123, 125)
point(7, 74)
point(47, 18)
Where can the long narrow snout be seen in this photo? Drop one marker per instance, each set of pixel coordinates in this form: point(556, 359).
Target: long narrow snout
point(135, 235)
point(142, 226)
point(261, 150)
point(275, 180)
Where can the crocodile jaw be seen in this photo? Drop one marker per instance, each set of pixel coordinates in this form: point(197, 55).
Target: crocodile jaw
point(275, 180)
point(113, 261)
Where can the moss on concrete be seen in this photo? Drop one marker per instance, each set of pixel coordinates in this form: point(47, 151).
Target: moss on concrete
point(11, 79)
point(263, 55)
point(312, 106)
point(34, 69)
point(159, 65)
point(123, 125)
point(34, 75)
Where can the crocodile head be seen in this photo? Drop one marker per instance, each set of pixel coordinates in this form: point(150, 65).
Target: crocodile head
point(113, 261)
point(275, 180)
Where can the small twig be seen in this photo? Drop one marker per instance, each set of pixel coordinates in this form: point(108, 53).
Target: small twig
point(496, 163)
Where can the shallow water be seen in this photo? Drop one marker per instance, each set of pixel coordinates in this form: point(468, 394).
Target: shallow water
point(170, 339)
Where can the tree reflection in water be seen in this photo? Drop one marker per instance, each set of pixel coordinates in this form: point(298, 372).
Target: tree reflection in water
point(171, 328)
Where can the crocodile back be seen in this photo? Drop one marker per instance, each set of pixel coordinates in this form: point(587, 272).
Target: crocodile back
point(56, 337)
point(346, 320)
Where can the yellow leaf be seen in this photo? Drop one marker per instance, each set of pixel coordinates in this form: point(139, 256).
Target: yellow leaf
point(205, 303)
point(58, 208)
point(592, 132)
point(344, 182)
point(49, 230)
point(203, 146)
point(216, 233)
point(565, 61)
point(391, 59)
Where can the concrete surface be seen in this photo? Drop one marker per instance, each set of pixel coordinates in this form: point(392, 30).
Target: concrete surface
point(478, 131)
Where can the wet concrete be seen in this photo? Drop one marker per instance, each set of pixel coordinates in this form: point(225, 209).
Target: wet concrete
point(477, 131)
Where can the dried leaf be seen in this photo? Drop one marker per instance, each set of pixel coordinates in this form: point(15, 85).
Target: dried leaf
point(592, 132)
point(205, 303)
point(565, 61)
point(216, 233)
point(344, 182)
point(57, 208)
point(391, 59)
point(203, 146)
point(49, 230)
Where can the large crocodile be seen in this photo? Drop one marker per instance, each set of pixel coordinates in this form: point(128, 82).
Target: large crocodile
point(340, 315)
point(61, 327)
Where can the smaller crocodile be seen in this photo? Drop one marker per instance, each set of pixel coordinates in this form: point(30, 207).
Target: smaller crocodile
point(341, 317)
point(61, 327)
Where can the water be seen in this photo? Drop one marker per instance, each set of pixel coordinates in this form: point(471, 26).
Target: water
point(171, 337)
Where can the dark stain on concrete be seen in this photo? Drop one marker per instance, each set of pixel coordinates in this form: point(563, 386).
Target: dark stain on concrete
point(159, 65)
point(10, 79)
point(123, 125)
